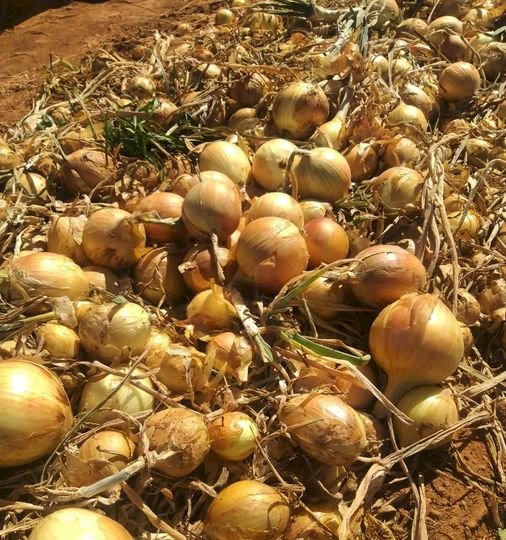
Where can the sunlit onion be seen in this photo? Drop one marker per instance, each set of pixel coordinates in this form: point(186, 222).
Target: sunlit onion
point(249, 90)
point(210, 310)
point(233, 436)
point(102, 278)
point(326, 241)
point(230, 352)
point(399, 188)
point(313, 209)
point(315, 526)
point(401, 151)
point(276, 205)
point(164, 205)
point(198, 268)
point(408, 113)
point(86, 169)
point(270, 161)
point(59, 340)
point(324, 297)
point(227, 158)
point(363, 161)
point(459, 81)
point(441, 27)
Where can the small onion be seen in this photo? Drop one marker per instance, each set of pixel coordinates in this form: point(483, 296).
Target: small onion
point(8, 158)
point(164, 205)
point(401, 151)
point(198, 268)
point(158, 341)
point(468, 308)
point(112, 332)
point(298, 109)
point(325, 427)
point(324, 297)
point(59, 340)
point(112, 446)
point(382, 12)
point(247, 510)
point(183, 435)
point(103, 278)
point(241, 115)
point(330, 134)
point(270, 252)
point(270, 161)
point(29, 185)
point(227, 158)
point(230, 352)
point(441, 27)
point(408, 113)
point(363, 161)
point(112, 239)
point(276, 205)
point(65, 235)
point(210, 310)
point(309, 526)
point(249, 90)
point(326, 241)
point(493, 57)
point(465, 225)
point(87, 169)
point(141, 87)
point(493, 296)
point(183, 183)
point(459, 81)
point(36, 412)
point(125, 397)
point(78, 524)
point(264, 22)
point(224, 16)
point(455, 48)
point(399, 188)
point(432, 408)
point(412, 27)
point(416, 340)
point(312, 209)
point(233, 436)
point(387, 273)
point(419, 98)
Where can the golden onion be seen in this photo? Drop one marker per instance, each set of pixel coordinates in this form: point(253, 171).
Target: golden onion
point(493, 296)
point(401, 151)
point(399, 189)
point(210, 310)
point(100, 277)
point(233, 436)
point(112, 446)
point(264, 22)
point(441, 27)
point(326, 241)
point(85, 170)
point(419, 98)
point(226, 158)
point(230, 352)
point(183, 183)
point(224, 16)
point(330, 134)
point(363, 161)
point(459, 81)
point(250, 89)
point(412, 27)
point(199, 269)
point(455, 48)
point(240, 116)
point(408, 113)
point(309, 526)
point(468, 308)
point(141, 87)
point(493, 57)
point(276, 204)
point(165, 206)
point(29, 185)
point(324, 297)
point(65, 235)
point(270, 162)
point(58, 340)
point(465, 225)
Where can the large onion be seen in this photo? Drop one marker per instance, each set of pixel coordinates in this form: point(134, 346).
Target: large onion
point(399, 188)
point(199, 269)
point(276, 205)
point(459, 81)
point(326, 241)
point(270, 161)
point(230, 352)
point(270, 252)
point(87, 169)
point(441, 27)
point(233, 436)
point(226, 158)
point(64, 236)
point(36, 412)
point(408, 113)
point(247, 510)
point(164, 205)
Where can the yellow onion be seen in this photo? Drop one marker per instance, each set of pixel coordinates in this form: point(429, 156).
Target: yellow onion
point(416, 340)
point(363, 161)
point(164, 205)
point(36, 412)
point(87, 169)
point(233, 436)
point(455, 48)
point(230, 352)
point(158, 340)
point(468, 308)
point(313, 209)
point(408, 113)
point(249, 90)
point(432, 408)
point(441, 27)
point(298, 109)
point(276, 204)
point(212, 207)
point(81, 307)
point(493, 57)
point(112, 446)
point(493, 296)
point(401, 151)
point(46, 274)
point(78, 524)
point(141, 87)
point(180, 433)
point(419, 98)
point(324, 297)
point(179, 368)
point(59, 340)
point(326, 518)
point(412, 27)
point(65, 235)
point(270, 252)
point(399, 188)
point(8, 158)
point(126, 398)
point(199, 270)
point(387, 273)
point(226, 158)
point(224, 16)
point(459, 81)
point(210, 310)
point(102, 278)
point(479, 41)
point(112, 239)
point(323, 174)
point(207, 71)
point(247, 510)
point(30, 185)
point(478, 151)
point(465, 225)
point(330, 134)
point(112, 331)
point(381, 65)
point(158, 278)
point(325, 427)
point(270, 161)
point(382, 12)
point(326, 241)
point(183, 183)
point(240, 116)
point(264, 22)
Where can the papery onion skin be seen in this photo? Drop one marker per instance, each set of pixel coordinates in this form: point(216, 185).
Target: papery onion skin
point(399, 188)
point(59, 340)
point(226, 158)
point(64, 236)
point(326, 241)
point(166, 205)
point(87, 169)
point(401, 151)
point(270, 162)
point(233, 436)
point(247, 510)
point(198, 267)
point(112, 446)
point(304, 526)
point(388, 272)
point(183, 431)
point(468, 308)
point(78, 524)
point(325, 427)
point(270, 252)
point(363, 161)
point(313, 209)
point(36, 412)
point(276, 205)
point(408, 113)
point(231, 352)
point(459, 81)
point(210, 310)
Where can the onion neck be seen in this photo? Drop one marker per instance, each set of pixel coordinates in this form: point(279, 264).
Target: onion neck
point(393, 392)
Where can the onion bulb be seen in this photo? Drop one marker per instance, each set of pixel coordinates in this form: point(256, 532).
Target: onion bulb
point(455, 48)
point(387, 273)
point(325, 427)
point(8, 158)
point(103, 278)
point(493, 57)
point(233, 436)
point(270, 252)
point(210, 310)
point(432, 408)
point(36, 412)
point(241, 116)
point(64, 236)
point(465, 225)
point(270, 161)
point(112, 239)
point(459, 81)
point(164, 205)
point(493, 296)
point(401, 151)
point(408, 113)
point(247, 510)
point(412, 27)
point(363, 161)
point(226, 158)
point(416, 340)
point(224, 16)
point(324, 297)
point(441, 27)
point(198, 267)
point(249, 90)
point(28, 185)
point(78, 524)
point(468, 308)
point(312, 209)
point(399, 189)
point(230, 352)
point(111, 332)
point(298, 109)
point(419, 98)
point(330, 134)
point(141, 87)
point(326, 241)
point(58, 340)
point(309, 527)
point(183, 183)
point(276, 204)
point(264, 22)
point(323, 173)
point(181, 439)
point(85, 170)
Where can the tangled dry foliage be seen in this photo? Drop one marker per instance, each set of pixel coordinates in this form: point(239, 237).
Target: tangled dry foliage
point(382, 495)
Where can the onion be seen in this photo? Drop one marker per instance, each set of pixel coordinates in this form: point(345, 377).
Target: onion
point(330, 134)
point(247, 510)
point(242, 115)
point(432, 408)
point(298, 109)
point(230, 352)
point(270, 161)
point(459, 81)
point(111, 332)
point(87, 169)
point(112, 239)
point(276, 205)
point(8, 158)
point(78, 524)
point(30, 185)
point(387, 273)
point(212, 207)
point(226, 158)
point(112, 446)
point(207, 71)
point(158, 341)
point(158, 278)
point(324, 297)
point(309, 526)
point(312, 209)
point(59, 340)
point(493, 57)
point(419, 98)
point(381, 12)
point(439, 28)
point(416, 340)
point(103, 278)
point(323, 174)
point(455, 48)
point(233, 436)
point(198, 268)
point(36, 412)
point(183, 183)
point(408, 113)
point(465, 225)
point(401, 151)
point(224, 16)
point(127, 397)
point(326, 241)
point(363, 161)
point(264, 22)
point(249, 90)
point(479, 41)
point(210, 310)
point(46, 274)
point(325, 427)
point(164, 205)
point(182, 436)
point(412, 27)
point(270, 252)
point(493, 296)
point(399, 188)
point(65, 235)
point(468, 308)
point(141, 87)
